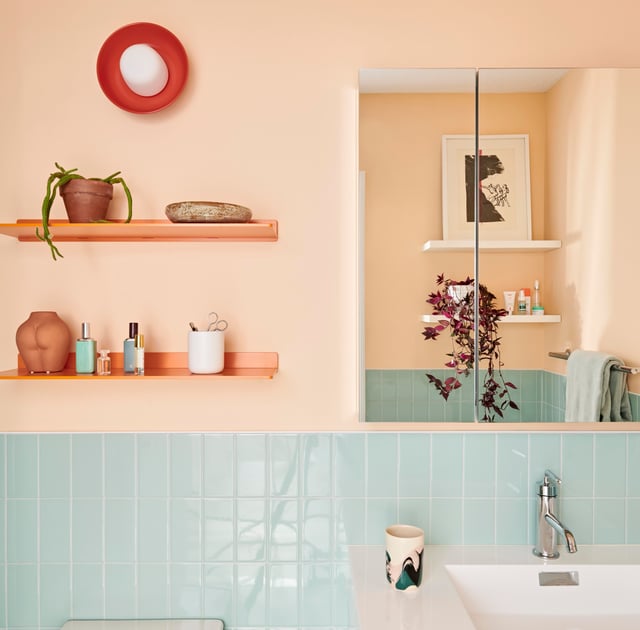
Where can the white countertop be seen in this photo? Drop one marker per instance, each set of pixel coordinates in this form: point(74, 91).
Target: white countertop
point(436, 604)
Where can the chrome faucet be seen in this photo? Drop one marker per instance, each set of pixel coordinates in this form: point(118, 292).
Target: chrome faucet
point(548, 524)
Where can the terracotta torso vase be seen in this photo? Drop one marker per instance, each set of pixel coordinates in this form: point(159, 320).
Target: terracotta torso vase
point(43, 342)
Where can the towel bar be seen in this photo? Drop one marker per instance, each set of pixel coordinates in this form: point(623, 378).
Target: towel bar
point(620, 368)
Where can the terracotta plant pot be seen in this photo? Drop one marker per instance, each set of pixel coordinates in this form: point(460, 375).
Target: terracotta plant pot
point(86, 200)
point(43, 341)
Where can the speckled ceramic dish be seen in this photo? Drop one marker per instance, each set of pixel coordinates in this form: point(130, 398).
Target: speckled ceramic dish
point(207, 212)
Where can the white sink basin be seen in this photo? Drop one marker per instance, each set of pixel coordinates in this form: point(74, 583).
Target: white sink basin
point(508, 597)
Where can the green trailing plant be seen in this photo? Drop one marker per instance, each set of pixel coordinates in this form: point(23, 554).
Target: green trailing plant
point(61, 177)
point(454, 310)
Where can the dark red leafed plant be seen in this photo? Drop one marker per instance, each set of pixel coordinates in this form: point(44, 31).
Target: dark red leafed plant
point(452, 304)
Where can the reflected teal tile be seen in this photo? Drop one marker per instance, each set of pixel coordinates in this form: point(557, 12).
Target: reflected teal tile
point(22, 466)
point(185, 590)
point(577, 515)
point(479, 522)
point(414, 464)
point(381, 513)
point(374, 411)
point(577, 468)
point(22, 595)
point(3, 477)
point(373, 385)
point(317, 595)
point(87, 522)
point(218, 465)
point(633, 522)
point(414, 512)
point(512, 522)
point(251, 465)
point(184, 530)
point(152, 530)
point(382, 464)
point(55, 530)
point(512, 465)
point(283, 458)
point(86, 465)
point(22, 530)
point(446, 466)
point(251, 529)
point(218, 593)
point(153, 465)
point(610, 465)
point(390, 410)
point(633, 465)
point(283, 595)
point(350, 525)
point(349, 449)
point(316, 464)
point(120, 591)
point(185, 470)
point(284, 528)
point(87, 595)
point(55, 594)
point(389, 385)
point(218, 530)
point(545, 452)
point(436, 411)
point(344, 608)
point(453, 409)
point(3, 546)
point(446, 522)
point(55, 466)
point(250, 595)
point(153, 591)
point(479, 465)
point(609, 521)
point(119, 465)
point(119, 525)
point(317, 531)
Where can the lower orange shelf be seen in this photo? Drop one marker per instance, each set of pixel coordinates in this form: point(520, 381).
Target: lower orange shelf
point(163, 365)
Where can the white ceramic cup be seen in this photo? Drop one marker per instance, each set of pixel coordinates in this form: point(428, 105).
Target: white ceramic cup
point(404, 554)
point(206, 351)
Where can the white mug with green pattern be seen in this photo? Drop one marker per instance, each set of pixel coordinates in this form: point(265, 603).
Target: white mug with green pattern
point(404, 551)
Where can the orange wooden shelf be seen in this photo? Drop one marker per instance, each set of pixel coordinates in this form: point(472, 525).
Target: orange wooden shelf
point(163, 365)
point(159, 230)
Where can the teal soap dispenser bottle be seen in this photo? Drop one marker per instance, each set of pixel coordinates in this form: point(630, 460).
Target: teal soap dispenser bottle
point(85, 351)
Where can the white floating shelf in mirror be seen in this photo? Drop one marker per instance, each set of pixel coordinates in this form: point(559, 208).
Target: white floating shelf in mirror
point(491, 246)
point(509, 319)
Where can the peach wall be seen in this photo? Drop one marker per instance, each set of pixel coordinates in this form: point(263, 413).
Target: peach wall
point(268, 119)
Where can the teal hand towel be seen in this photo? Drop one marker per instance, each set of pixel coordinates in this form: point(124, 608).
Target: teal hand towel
point(595, 391)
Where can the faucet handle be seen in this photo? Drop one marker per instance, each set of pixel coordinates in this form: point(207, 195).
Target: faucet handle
point(548, 484)
point(551, 477)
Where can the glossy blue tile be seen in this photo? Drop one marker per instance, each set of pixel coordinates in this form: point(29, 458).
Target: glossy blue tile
point(609, 521)
point(22, 595)
point(251, 465)
point(633, 465)
point(22, 530)
point(317, 471)
point(545, 452)
point(185, 469)
point(86, 465)
point(610, 472)
point(380, 514)
point(344, 613)
point(87, 525)
point(119, 465)
point(317, 595)
point(153, 465)
point(251, 517)
point(184, 530)
point(479, 522)
point(120, 591)
point(283, 470)
point(250, 595)
point(219, 530)
point(577, 515)
point(218, 465)
point(316, 540)
point(87, 595)
point(119, 530)
point(219, 593)
point(22, 466)
point(633, 522)
point(153, 545)
point(512, 465)
point(349, 525)
point(55, 530)
point(185, 590)
point(415, 512)
point(55, 594)
point(153, 591)
point(414, 464)
point(479, 465)
point(446, 465)
point(283, 595)
point(512, 521)
point(349, 453)
point(54, 452)
point(284, 530)
point(577, 465)
point(446, 522)
point(382, 464)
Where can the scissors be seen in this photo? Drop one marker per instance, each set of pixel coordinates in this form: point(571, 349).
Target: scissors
point(215, 323)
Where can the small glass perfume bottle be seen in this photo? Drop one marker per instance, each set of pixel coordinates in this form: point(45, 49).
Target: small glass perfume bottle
point(139, 355)
point(104, 363)
point(85, 352)
point(129, 349)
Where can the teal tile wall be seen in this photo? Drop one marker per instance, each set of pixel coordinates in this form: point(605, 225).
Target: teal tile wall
point(407, 396)
point(255, 528)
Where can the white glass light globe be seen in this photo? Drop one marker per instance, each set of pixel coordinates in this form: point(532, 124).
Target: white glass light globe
point(143, 70)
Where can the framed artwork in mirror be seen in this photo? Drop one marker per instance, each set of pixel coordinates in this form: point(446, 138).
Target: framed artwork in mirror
point(504, 187)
